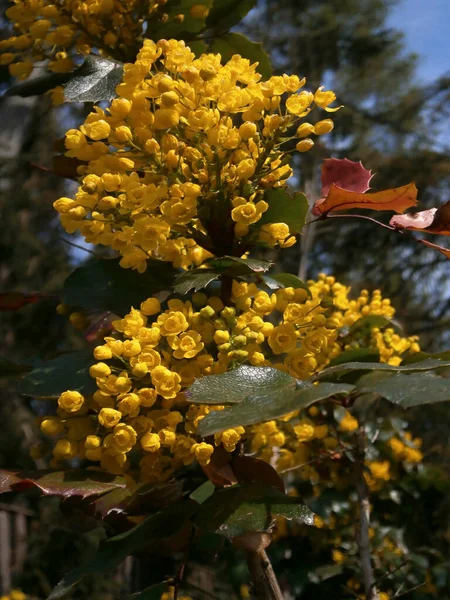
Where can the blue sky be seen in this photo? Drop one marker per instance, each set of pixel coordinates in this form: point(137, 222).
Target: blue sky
point(425, 24)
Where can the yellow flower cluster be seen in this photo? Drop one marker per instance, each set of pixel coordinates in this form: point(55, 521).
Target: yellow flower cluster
point(14, 595)
point(59, 31)
point(155, 353)
point(177, 166)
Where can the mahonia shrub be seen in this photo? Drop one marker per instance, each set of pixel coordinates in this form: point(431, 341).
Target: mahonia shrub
point(176, 168)
point(139, 420)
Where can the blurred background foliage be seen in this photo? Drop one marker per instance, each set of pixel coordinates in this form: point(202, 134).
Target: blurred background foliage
point(394, 125)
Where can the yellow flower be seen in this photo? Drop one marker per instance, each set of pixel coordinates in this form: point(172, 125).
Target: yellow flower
point(172, 323)
point(71, 401)
point(123, 438)
point(380, 469)
point(202, 452)
point(348, 423)
point(304, 431)
point(283, 338)
point(150, 442)
point(108, 417)
point(167, 383)
point(186, 345)
point(323, 99)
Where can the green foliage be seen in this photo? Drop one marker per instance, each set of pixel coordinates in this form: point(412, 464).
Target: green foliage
point(284, 208)
point(235, 43)
point(95, 80)
point(104, 284)
point(224, 14)
point(68, 371)
point(275, 281)
point(337, 372)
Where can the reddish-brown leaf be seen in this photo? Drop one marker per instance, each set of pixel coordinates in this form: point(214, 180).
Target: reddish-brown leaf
point(418, 221)
point(16, 300)
point(346, 174)
point(66, 166)
point(441, 221)
point(441, 249)
point(396, 199)
point(219, 470)
point(74, 482)
point(249, 469)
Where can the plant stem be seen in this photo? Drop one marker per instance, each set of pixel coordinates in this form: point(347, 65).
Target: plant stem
point(362, 535)
point(265, 583)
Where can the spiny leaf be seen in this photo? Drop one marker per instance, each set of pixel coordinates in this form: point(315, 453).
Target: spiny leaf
point(407, 390)
point(284, 208)
point(276, 281)
point(226, 13)
point(69, 371)
point(73, 482)
point(335, 373)
point(396, 199)
point(104, 284)
point(346, 174)
point(196, 280)
point(235, 43)
point(234, 266)
point(95, 80)
point(238, 384)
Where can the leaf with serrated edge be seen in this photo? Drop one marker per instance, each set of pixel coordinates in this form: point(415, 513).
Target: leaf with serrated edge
point(333, 373)
point(267, 406)
point(407, 391)
point(194, 280)
point(95, 80)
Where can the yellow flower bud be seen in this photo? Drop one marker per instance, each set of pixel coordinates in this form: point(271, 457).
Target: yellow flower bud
point(71, 401)
point(304, 145)
point(323, 127)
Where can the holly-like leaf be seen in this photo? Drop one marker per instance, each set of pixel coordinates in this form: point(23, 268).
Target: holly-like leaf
point(276, 281)
point(17, 300)
point(9, 369)
point(284, 208)
point(104, 284)
point(364, 325)
point(265, 406)
point(196, 280)
point(237, 385)
point(95, 80)
point(51, 378)
point(235, 43)
point(356, 354)
point(346, 174)
point(247, 507)
point(337, 372)
point(233, 266)
point(38, 85)
point(224, 14)
point(153, 529)
point(407, 390)
point(73, 482)
point(396, 199)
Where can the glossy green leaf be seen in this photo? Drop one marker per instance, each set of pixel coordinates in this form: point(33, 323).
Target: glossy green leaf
point(202, 493)
point(181, 30)
point(407, 390)
point(241, 508)
point(276, 281)
point(73, 482)
point(364, 325)
point(234, 266)
point(224, 14)
point(229, 44)
point(104, 284)
point(337, 372)
point(237, 385)
point(51, 378)
point(284, 208)
point(111, 553)
point(95, 80)
point(154, 592)
point(357, 354)
point(195, 280)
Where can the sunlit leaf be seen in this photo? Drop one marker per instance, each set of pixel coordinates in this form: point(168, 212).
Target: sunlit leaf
point(276, 281)
point(284, 208)
point(346, 174)
point(196, 280)
point(95, 80)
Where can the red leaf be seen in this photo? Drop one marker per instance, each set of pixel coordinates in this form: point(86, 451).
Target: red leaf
point(396, 199)
point(418, 221)
point(219, 470)
point(251, 469)
point(441, 249)
point(74, 482)
point(346, 174)
point(16, 300)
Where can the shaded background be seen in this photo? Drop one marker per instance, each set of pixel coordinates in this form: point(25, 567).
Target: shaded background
point(387, 62)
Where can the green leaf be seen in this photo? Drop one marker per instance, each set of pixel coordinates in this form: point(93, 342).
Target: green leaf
point(277, 281)
point(234, 266)
point(337, 372)
point(258, 394)
point(9, 369)
point(224, 14)
point(160, 525)
point(196, 280)
point(51, 378)
point(284, 208)
point(73, 482)
point(202, 493)
point(357, 354)
point(38, 85)
point(407, 390)
point(237, 385)
point(249, 507)
point(235, 43)
point(183, 30)
point(154, 592)
point(95, 80)
point(104, 284)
